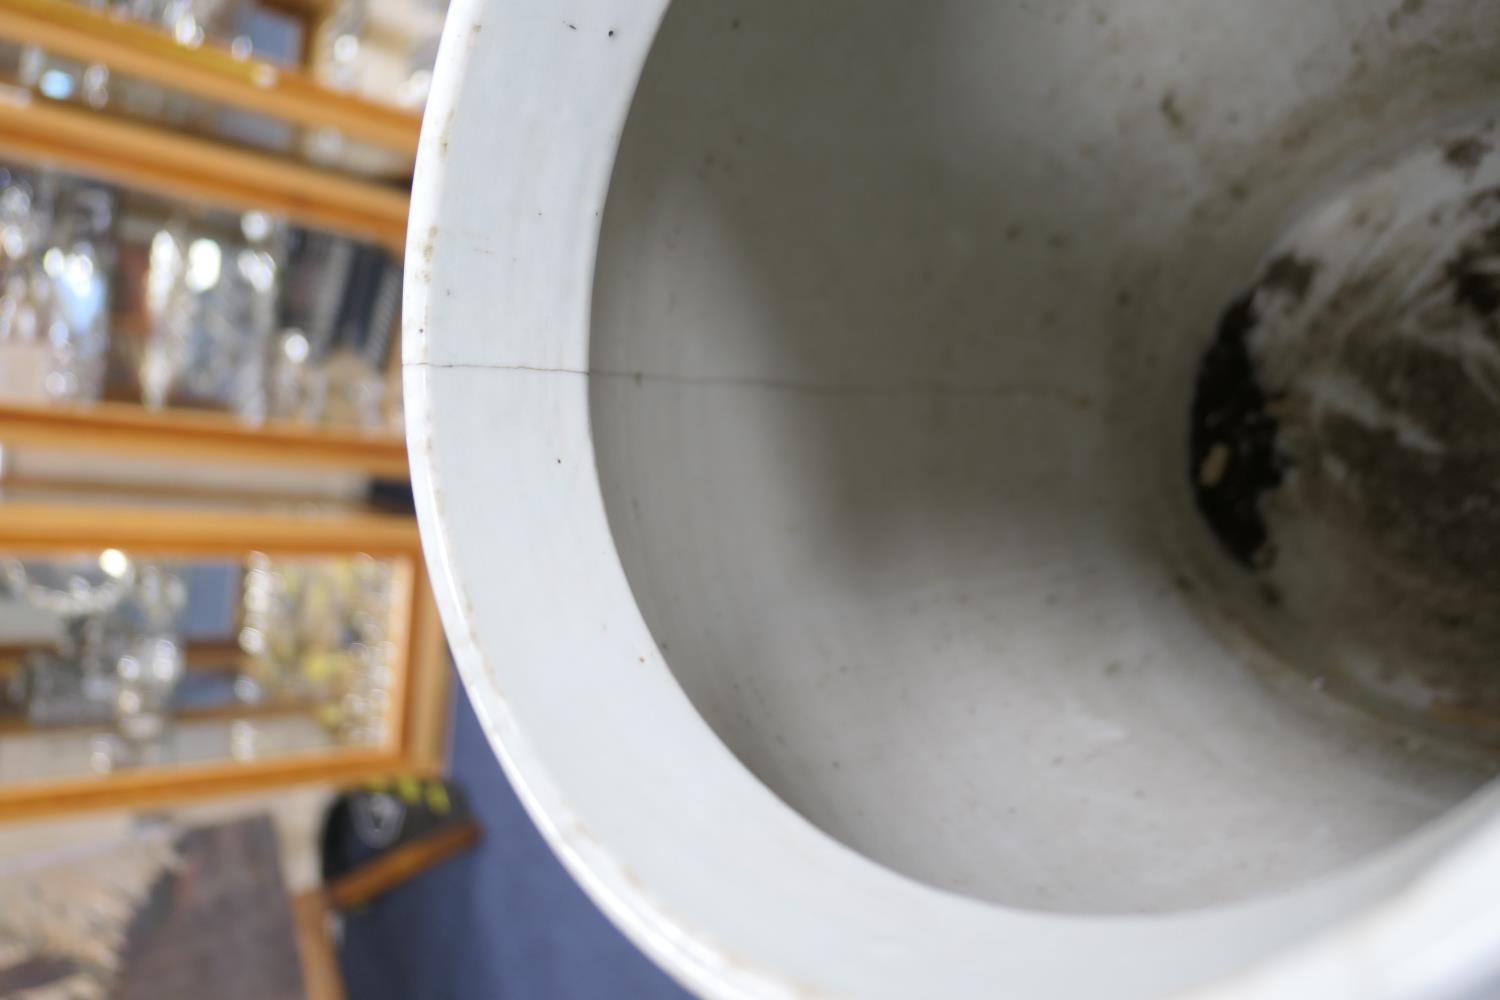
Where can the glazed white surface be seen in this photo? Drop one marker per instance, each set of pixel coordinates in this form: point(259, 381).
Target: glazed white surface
point(704, 865)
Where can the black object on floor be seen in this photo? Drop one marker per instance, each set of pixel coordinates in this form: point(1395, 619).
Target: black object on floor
point(376, 839)
point(374, 821)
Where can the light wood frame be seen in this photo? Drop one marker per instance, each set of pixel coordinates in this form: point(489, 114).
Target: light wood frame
point(200, 435)
point(40, 132)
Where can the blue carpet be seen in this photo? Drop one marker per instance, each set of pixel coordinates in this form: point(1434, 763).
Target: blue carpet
point(502, 921)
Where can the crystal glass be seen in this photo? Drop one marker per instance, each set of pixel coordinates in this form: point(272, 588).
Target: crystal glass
point(211, 303)
point(56, 250)
point(319, 629)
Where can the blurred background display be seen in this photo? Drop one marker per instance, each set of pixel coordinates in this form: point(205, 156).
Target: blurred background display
point(109, 294)
point(224, 690)
point(112, 662)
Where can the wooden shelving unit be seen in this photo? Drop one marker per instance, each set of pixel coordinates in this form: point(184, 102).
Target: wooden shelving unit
point(200, 435)
point(30, 527)
point(38, 132)
point(178, 522)
point(208, 70)
point(42, 132)
point(216, 713)
point(419, 696)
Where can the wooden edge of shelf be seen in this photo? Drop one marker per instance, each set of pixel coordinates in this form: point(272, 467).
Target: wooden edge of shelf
point(30, 527)
point(178, 784)
point(207, 70)
point(40, 132)
point(123, 428)
point(428, 679)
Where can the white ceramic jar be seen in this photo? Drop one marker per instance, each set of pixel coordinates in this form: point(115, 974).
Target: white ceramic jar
point(798, 402)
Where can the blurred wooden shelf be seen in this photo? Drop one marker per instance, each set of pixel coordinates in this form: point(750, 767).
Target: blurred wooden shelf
point(32, 529)
point(201, 657)
point(41, 132)
point(200, 435)
point(15, 725)
point(151, 786)
point(207, 70)
point(38, 519)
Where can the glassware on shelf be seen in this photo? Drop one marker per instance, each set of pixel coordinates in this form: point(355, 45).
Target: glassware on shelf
point(383, 50)
point(355, 365)
point(120, 656)
point(77, 264)
point(317, 630)
point(70, 588)
point(109, 662)
point(190, 22)
point(24, 357)
point(336, 47)
point(63, 79)
point(211, 306)
point(340, 307)
point(151, 661)
point(147, 673)
point(355, 390)
point(168, 352)
point(296, 388)
point(318, 269)
point(242, 313)
point(56, 251)
point(245, 27)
